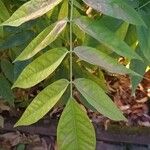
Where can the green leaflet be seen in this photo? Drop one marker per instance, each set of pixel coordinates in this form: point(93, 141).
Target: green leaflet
point(43, 102)
point(40, 68)
point(30, 10)
point(75, 131)
point(139, 67)
point(96, 97)
point(4, 14)
point(99, 31)
point(118, 9)
point(46, 37)
point(96, 57)
point(5, 90)
point(8, 69)
point(63, 12)
point(144, 41)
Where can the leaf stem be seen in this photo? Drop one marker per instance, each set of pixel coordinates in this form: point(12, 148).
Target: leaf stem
point(71, 46)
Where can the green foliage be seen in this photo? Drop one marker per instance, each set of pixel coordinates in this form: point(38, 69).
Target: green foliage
point(59, 44)
point(78, 132)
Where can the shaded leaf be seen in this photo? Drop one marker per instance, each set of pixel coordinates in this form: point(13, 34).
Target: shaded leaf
point(99, 31)
point(4, 14)
point(96, 97)
point(43, 102)
point(40, 68)
point(46, 37)
point(16, 40)
point(8, 69)
point(118, 9)
point(30, 10)
point(144, 41)
point(139, 67)
point(5, 90)
point(101, 59)
point(75, 131)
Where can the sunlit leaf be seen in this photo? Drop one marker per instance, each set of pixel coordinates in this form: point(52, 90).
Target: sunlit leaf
point(75, 131)
point(101, 59)
point(116, 8)
point(43, 102)
point(63, 13)
point(31, 10)
point(40, 68)
point(99, 31)
point(96, 97)
point(42, 40)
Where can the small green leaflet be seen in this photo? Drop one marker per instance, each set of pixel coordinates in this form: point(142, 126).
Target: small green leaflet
point(96, 57)
point(96, 97)
point(5, 90)
point(118, 9)
point(46, 37)
point(100, 32)
point(30, 10)
point(43, 102)
point(4, 14)
point(41, 68)
point(75, 131)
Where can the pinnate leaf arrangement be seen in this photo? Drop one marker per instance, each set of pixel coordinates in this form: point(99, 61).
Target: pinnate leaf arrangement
point(75, 130)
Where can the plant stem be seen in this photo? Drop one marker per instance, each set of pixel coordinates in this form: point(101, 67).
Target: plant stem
point(71, 47)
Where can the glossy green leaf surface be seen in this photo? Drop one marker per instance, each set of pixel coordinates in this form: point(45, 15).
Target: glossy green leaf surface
point(96, 57)
point(5, 90)
point(99, 31)
point(47, 36)
point(118, 9)
point(96, 97)
point(40, 68)
point(31, 10)
point(43, 102)
point(75, 131)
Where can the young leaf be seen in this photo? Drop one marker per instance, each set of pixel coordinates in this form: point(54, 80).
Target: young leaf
point(118, 9)
point(46, 37)
point(4, 14)
point(5, 90)
point(99, 31)
point(43, 102)
point(96, 97)
point(30, 10)
point(40, 68)
point(75, 131)
point(96, 57)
